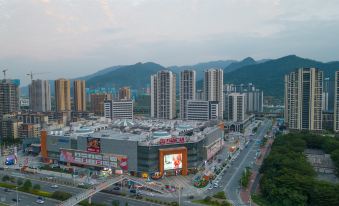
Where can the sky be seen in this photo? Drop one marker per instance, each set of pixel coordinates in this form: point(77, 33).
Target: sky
point(64, 38)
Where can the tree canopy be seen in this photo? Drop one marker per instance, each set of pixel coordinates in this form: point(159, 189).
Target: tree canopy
point(289, 179)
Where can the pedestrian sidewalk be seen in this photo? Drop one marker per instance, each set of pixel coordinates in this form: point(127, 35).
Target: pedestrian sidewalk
point(245, 193)
point(53, 173)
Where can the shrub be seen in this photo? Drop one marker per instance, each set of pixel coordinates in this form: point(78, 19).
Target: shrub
point(19, 182)
point(225, 203)
point(5, 178)
point(41, 193)
point(59, 195)
point(36, 187)
point(12, 179)
point(27, 185)
point(207, 199)
point(115, 203)
point(6, 185)
point(220, 195)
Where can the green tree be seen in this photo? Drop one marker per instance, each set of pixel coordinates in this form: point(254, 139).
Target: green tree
point(60, 195)
point(115, 203)
point(36, 187)
point(19, 181)
point(27, 185)
point(6, 178)
point(289, 179)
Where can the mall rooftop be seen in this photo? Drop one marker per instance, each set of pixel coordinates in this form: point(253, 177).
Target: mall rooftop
point(148, 131)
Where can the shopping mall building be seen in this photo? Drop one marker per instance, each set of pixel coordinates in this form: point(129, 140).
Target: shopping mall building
point(140, 147)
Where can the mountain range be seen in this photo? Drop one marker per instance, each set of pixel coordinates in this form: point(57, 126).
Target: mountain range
point(138, 75)
point(267, 74)
point(200, 67)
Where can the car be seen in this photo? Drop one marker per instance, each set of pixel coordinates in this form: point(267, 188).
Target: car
point(133, 191)
point(210, 188)
point(15, 200)
point(116, 188)
point(81, 184)
point(55, 166)
point(54, 186)
point(40, 200)
point(6, 190)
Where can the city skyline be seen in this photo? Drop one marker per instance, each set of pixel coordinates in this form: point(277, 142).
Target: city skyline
point(169, 102)
point(273, 29)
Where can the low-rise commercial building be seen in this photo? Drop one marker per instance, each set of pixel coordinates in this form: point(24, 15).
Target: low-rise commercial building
point(144, 148)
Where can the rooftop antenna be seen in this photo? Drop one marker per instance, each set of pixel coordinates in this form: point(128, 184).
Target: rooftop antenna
point(4, 71)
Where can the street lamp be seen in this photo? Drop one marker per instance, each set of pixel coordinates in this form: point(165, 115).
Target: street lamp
point(179, 190)
point(17, 196)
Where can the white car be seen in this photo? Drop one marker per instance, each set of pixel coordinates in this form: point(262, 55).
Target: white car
point(54, 186)
point(210, 188)
point(40, 200)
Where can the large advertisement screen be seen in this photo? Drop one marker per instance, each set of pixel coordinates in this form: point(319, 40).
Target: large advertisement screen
point(172, 161)
point(93, 145)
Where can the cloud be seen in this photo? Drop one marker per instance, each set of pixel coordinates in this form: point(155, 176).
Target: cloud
point(94, 34)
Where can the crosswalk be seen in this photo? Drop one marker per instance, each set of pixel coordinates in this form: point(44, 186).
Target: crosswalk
point(185, 183)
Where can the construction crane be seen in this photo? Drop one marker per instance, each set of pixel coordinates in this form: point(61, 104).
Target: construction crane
point(31, 74)
point(4, 71)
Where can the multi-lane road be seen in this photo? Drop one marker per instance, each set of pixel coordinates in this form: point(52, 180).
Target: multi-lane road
point(245, 159)
point(101, 197)
point(25, 199)
point(231, 175)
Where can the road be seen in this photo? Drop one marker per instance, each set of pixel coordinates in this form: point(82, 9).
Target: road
point(25, 199)
point(246, 158)
point(28, 199)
